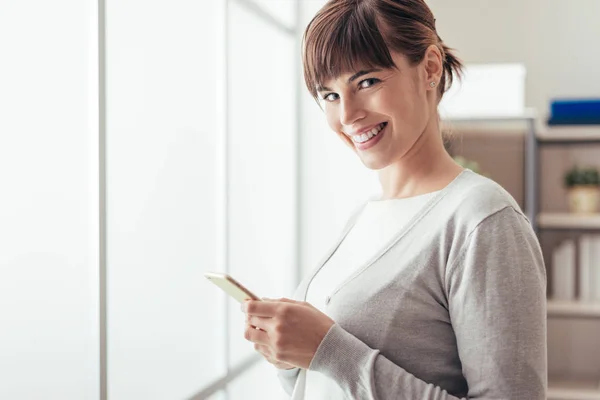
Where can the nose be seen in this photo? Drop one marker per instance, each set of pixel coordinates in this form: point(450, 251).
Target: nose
point(350, 111)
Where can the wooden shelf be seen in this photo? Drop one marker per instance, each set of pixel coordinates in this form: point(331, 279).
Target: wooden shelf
point(569, 221)
point(558, 308)
point(570, 134)
point(571, 389)
point(526, 115)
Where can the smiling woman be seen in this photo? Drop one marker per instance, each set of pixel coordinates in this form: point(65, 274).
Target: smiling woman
point(359, 65)
point(435, 290)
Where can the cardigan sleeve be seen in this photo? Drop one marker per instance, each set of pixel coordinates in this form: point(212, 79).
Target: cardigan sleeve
point(496, 291)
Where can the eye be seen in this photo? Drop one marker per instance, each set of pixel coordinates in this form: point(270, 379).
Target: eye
point(330, 97)
point(368, 83)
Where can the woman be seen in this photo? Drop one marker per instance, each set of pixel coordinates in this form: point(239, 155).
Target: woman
point(437, 289)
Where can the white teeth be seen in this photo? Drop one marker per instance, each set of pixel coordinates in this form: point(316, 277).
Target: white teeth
point(368, 135)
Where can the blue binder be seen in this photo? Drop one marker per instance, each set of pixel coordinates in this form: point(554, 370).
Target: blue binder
point(574, 112)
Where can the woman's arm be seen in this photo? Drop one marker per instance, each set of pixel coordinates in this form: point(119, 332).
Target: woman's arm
point(496, 292)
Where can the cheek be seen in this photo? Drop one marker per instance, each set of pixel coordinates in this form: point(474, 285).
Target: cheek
point(333, 121)
point(410, 109)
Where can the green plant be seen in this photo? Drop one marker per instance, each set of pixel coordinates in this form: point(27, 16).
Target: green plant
point(576, 176)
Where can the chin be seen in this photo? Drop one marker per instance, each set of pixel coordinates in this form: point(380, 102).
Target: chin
point(374, 163)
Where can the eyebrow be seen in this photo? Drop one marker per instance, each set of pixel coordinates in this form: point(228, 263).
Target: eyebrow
point(351, 79)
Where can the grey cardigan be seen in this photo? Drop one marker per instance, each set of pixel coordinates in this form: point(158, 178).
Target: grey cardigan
point(453, 307)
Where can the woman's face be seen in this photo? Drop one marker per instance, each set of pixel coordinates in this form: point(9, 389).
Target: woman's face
point(380, 113)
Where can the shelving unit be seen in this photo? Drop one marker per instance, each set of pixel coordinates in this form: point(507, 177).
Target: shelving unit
point(566, 389)
point(568, 221)
point(571, 135)
point(573, 309)
point(558, 389)
point(529, 119)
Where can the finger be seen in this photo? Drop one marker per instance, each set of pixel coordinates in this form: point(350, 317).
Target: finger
point(260, 308)
point(255, 335)
point(264, 350)
point(263, 323)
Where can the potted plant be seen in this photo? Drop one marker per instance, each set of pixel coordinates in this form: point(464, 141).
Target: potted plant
point(583, 185)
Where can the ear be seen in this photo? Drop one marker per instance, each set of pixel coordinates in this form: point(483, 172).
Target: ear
point(434, 66)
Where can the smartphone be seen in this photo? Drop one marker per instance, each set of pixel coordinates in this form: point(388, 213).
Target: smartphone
point(231, 286)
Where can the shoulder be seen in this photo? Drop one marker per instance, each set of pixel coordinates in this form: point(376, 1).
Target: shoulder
point(473, 203)
point(475, 198)
point(488, 227)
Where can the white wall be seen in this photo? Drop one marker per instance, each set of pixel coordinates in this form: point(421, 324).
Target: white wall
point(49, 329)
point(554, 39)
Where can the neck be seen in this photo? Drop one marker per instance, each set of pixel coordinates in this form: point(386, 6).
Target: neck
point(426, 167)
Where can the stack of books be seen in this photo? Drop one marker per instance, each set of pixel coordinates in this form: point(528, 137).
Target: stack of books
point(576, 269)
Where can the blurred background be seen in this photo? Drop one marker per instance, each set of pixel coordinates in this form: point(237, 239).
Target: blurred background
point(143, 143)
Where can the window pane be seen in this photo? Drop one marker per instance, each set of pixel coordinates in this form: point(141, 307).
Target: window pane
point(259, 383)
point(49, 331)
point(218, 396)
point(283, 10)
point(166, 337)
point(262, 197)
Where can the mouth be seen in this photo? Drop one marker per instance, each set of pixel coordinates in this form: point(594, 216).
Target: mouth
point(370, 138)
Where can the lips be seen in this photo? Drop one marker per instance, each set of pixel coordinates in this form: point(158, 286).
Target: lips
point(368, 135)
point(370, 138)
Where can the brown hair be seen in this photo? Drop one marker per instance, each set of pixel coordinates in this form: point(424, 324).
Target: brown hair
point(347, 35)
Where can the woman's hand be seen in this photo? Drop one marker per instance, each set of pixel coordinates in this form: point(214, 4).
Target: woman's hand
point(289, 332)
point(266, 353)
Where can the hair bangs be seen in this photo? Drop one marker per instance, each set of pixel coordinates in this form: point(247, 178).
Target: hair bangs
point(345, 38)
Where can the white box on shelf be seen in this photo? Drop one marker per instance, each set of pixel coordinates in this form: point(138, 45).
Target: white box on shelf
point(563, 271)
point(557, 279)
point(585, 268)
point(569, 270)
point(595, 270)
point(486, 90)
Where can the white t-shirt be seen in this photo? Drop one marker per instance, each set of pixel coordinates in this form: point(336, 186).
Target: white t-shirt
point(377, 224)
